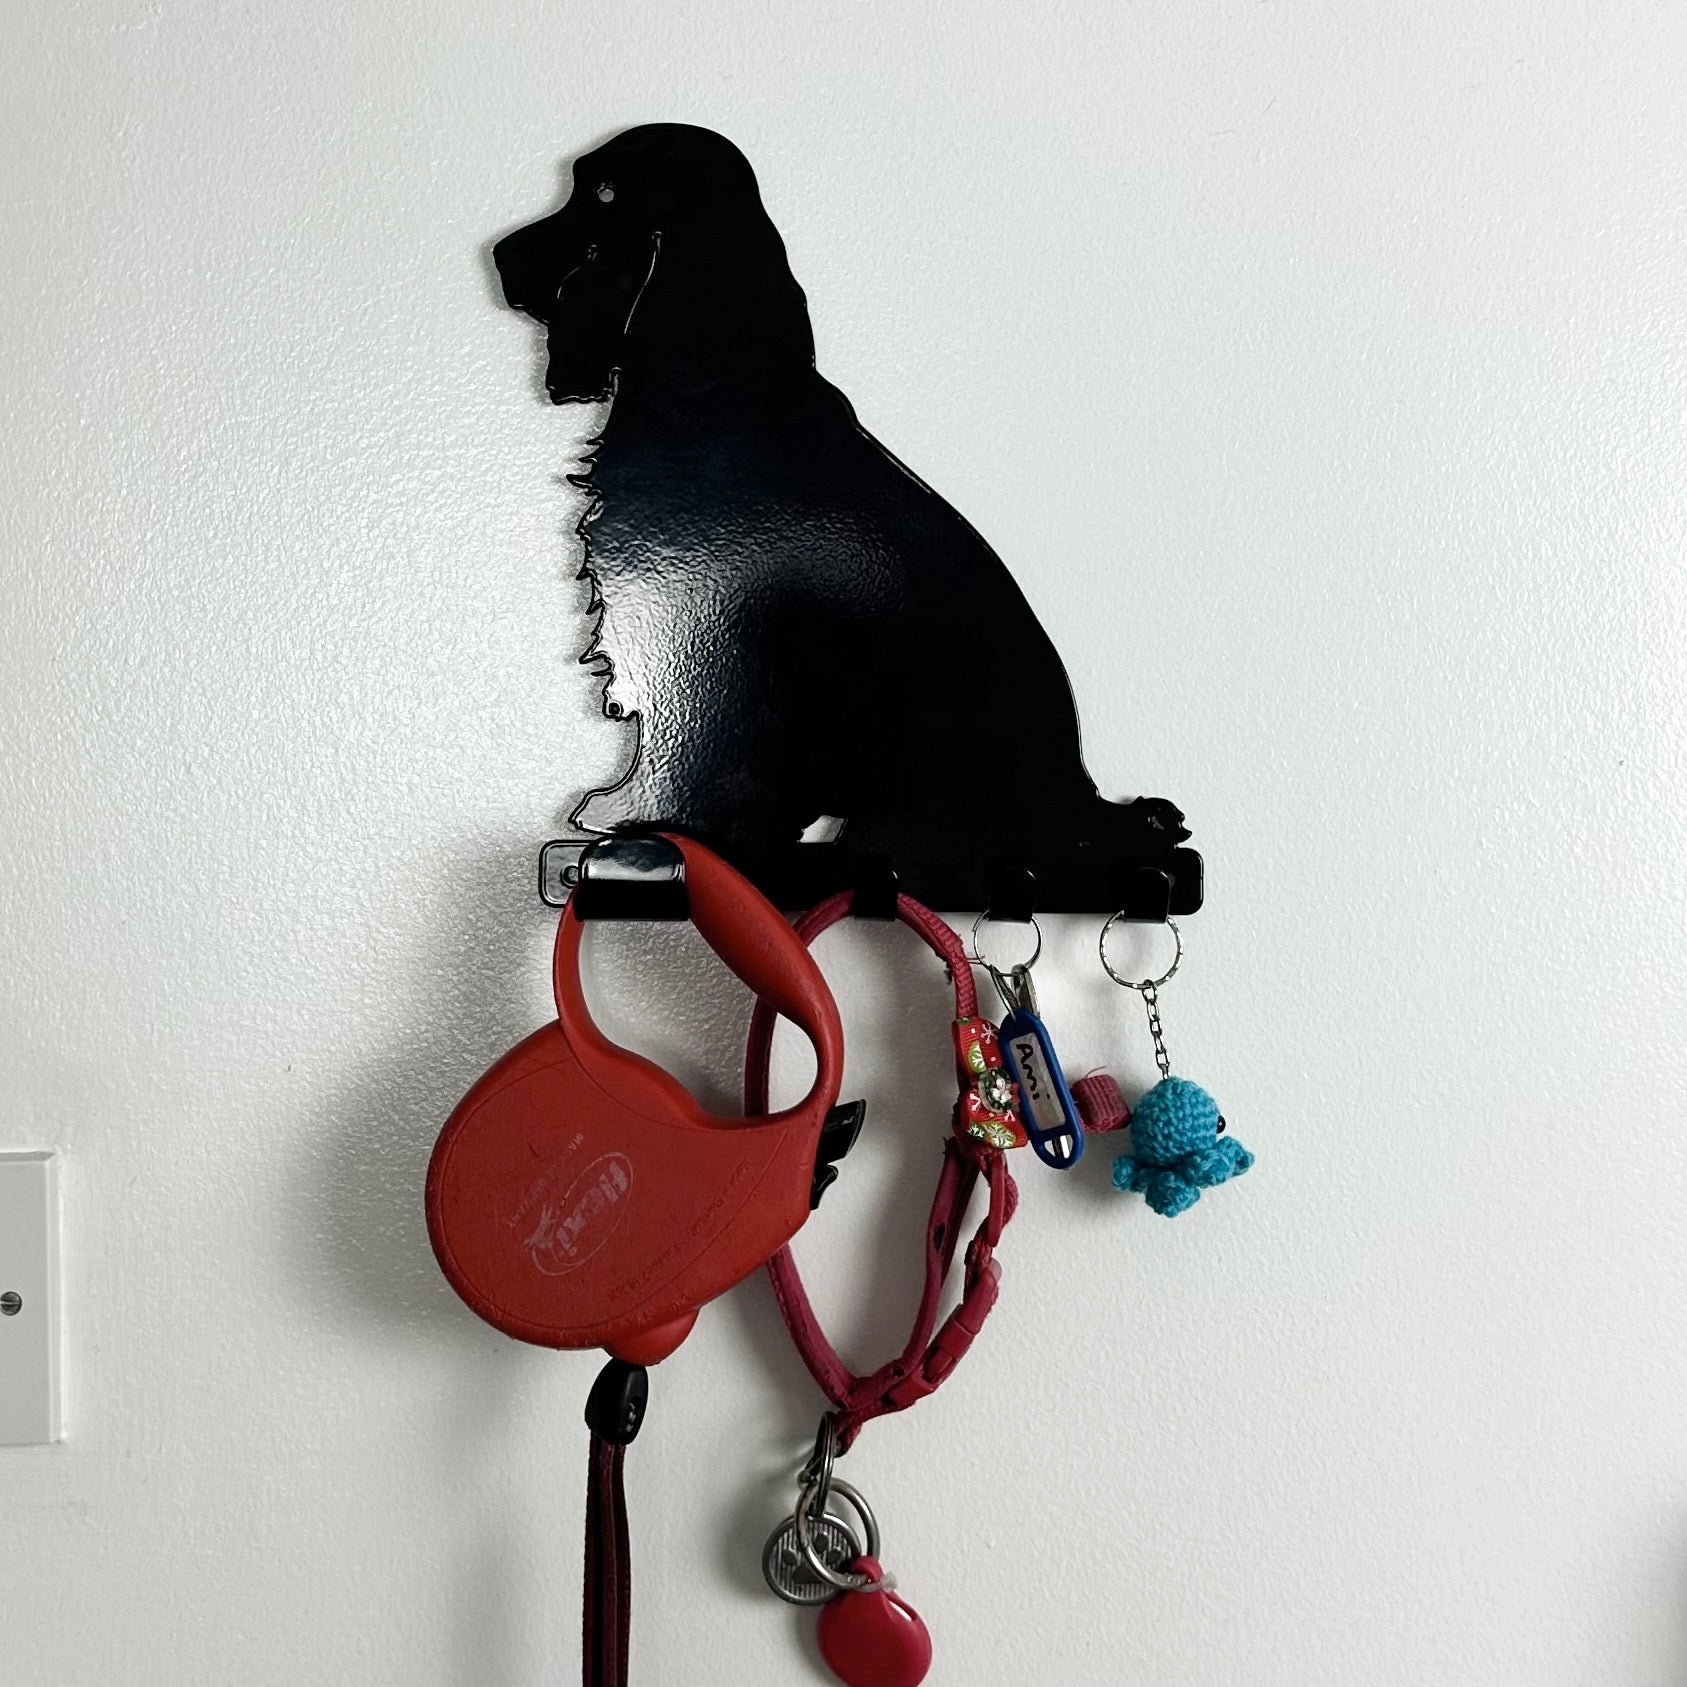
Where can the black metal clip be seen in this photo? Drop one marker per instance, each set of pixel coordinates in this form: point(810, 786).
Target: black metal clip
point(1144, 894)
point(1013, 892)
point(616, 878)
point(875, 889)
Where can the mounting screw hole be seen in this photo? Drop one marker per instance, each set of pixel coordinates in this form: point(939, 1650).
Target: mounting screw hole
point(11, 1303)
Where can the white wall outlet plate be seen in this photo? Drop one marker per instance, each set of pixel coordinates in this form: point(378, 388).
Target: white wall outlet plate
point(29, 1300)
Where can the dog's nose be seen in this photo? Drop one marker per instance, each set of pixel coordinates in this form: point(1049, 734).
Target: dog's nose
point(516, 258)
point(534, 261)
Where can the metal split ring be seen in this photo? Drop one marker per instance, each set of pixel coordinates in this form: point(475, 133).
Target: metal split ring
point(1141, 983)
point(848, 1581)
point(1013, 985)
point(817, 1473)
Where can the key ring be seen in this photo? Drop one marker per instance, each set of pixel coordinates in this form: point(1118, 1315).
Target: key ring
point(1143, 985)
point(1014, 987)
point(819, 1484)
point(978, 953)
point(817, 1473)
point(849, 1581)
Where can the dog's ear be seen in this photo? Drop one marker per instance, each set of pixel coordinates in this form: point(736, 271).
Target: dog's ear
point(596, 304)
point(718, 304)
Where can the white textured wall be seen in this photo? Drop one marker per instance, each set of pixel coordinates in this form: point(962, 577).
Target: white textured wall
point(1319, 369)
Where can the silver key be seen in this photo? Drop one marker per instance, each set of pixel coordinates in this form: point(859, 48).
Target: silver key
point(789, 1573)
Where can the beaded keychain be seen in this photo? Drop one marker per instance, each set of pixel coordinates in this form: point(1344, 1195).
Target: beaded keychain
point(1178, 1145)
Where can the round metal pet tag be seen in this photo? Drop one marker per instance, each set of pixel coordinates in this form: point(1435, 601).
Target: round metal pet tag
point(789, 1573)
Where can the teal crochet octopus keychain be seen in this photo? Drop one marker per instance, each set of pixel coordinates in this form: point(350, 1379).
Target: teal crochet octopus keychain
point(1178, 1141)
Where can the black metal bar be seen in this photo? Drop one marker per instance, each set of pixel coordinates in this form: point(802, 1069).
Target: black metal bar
point(642, 878)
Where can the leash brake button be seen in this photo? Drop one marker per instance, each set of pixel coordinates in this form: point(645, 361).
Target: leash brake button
point(837, 1136)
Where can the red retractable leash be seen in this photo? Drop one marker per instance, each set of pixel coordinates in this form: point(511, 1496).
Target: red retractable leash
point(868, 1636)
point(580, 1197)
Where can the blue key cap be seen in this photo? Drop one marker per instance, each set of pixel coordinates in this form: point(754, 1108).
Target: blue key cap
point(1046, 1107)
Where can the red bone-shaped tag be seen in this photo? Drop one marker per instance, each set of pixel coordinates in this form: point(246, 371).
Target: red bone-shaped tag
point(579, 1196)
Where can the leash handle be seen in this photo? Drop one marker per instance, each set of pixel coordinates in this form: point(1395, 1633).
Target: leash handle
point(931, 1352)
point(751, 936)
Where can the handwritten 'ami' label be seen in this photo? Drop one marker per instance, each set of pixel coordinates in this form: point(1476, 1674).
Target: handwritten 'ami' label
point(1037, 1087)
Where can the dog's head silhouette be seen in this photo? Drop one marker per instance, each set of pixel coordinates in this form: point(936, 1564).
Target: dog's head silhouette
point(663, 261)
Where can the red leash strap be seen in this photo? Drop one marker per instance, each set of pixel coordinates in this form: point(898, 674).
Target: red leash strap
point(608, 1583)
point(928, 1357)
point(614, 1411)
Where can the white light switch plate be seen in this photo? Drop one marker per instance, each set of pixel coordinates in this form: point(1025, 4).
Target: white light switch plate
point(29, 1281)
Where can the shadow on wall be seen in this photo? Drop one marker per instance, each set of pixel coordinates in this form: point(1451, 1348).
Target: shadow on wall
point(354, 1223)
point(355, 1238)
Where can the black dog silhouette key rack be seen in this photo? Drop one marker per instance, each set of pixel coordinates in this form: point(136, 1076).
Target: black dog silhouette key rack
point(789, 619)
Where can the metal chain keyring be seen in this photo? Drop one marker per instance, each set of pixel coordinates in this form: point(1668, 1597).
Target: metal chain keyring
point(819, 1483)
point(1151, 1000)
point(1143, 984)
point(1148, 989)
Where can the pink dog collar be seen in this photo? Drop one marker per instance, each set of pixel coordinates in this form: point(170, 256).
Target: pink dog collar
point(931, 1351)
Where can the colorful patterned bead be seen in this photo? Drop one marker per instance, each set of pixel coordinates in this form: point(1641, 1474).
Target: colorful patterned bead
point(988, 1108)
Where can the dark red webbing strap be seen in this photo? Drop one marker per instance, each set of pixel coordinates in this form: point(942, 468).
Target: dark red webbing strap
point(927, 1358)
point(608, 1580)
point(1100, 1105)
